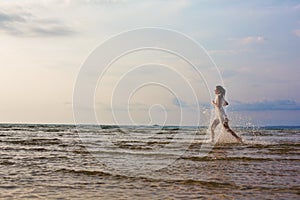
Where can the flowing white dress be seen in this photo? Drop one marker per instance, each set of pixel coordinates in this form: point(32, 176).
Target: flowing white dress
point(219, 109)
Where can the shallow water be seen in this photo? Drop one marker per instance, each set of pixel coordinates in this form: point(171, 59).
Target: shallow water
point(90, 162)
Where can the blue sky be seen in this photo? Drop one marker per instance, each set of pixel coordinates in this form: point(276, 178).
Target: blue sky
point(255, 44)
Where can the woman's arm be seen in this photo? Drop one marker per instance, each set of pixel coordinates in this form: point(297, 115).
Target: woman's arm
point(217, 102)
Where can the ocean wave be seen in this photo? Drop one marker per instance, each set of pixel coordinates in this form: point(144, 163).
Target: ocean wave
point(89, 172)
point(171, 128)
point(35, 141)
point(242, 158)
point(144, 178)
point(109, 127)
point(6, 162)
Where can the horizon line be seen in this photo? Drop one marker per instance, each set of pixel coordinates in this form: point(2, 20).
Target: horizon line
point(142, 125)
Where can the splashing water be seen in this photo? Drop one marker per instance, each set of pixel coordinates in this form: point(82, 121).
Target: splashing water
point(224, 137)
point(243, 127)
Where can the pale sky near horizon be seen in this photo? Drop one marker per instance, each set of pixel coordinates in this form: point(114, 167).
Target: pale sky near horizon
point(255, 44)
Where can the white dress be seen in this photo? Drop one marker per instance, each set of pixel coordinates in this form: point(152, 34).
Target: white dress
point(219, 109)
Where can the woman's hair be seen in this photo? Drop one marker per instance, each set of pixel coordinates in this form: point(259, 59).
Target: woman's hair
point(221, 89)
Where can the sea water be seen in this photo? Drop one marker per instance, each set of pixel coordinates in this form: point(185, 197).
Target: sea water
point(111, 162)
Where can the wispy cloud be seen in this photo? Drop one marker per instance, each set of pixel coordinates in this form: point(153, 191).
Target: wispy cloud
point(227, 73)
point(266, 105)
point(26, 24)
point(249, 40)
point(95, 1)
point(296, 7)
point(297, 32)
point(223, 52)
point(179, 103)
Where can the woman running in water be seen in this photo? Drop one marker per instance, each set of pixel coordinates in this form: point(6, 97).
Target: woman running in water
point(221, 116)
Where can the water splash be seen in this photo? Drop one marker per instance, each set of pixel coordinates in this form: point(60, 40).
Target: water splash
point(243, 126)
point(225, 138)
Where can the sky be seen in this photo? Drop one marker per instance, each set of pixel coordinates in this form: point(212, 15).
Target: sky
point(255, 45)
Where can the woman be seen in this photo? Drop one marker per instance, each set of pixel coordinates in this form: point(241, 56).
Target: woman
point(221, 116)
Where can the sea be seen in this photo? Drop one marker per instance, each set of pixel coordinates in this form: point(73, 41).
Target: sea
point(48, 161)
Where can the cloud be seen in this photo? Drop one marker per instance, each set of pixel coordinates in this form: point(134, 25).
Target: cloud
point(27, 25)
point(297, 32)
point(223, 52)
point(266, 105)
point(179, 103)
point(249, 40)
point(94, 1)
point(296, 7)
point(227, 73)
point(10, 18)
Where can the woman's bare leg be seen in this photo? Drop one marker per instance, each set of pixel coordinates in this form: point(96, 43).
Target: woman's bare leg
point(227, 128)
point(213, 127)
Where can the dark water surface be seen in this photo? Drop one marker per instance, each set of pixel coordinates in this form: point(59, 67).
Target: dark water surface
point(89, 162)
